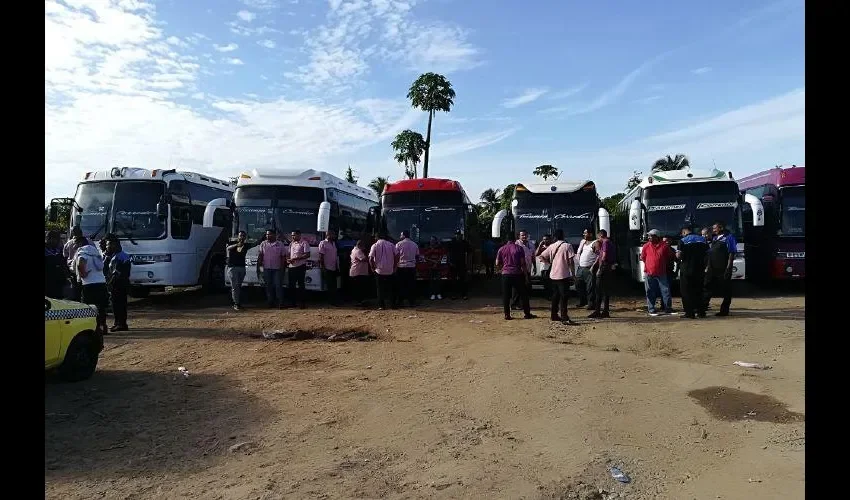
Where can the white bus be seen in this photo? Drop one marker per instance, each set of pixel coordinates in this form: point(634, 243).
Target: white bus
point(667, 201)
point(542, 207)
point(311, 201)
point(158, 215)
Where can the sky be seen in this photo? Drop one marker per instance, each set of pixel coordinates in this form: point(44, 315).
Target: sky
point(597, 89)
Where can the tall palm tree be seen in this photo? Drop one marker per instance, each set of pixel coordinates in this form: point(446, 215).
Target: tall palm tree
point(507, 196)
point(671, 163)
point(409, 146)
point(546, 171)
point(377, 184)
point(490, 201)
point(431, 92)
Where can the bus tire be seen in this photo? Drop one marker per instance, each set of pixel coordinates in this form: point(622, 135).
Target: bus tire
point(215, 277)
point(81, 358)
point(139, 292)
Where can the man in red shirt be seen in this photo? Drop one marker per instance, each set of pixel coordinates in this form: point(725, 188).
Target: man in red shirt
point(657, 256)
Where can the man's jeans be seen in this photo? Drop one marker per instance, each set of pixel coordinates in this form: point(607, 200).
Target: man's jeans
point(237, 276)
point(654, 286)
point(274, 287)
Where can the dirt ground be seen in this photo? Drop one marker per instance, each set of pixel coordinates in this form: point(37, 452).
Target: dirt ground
point(449, 401)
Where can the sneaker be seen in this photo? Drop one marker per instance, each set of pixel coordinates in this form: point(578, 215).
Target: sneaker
point(688, 316)
point(568, 322)
point(235, 307)
point(555, 318)
point(439, 297)
point(594, 315)
point(529, 316)
point(605, 314)
point(722, 314)
point(508, 318)
point(654, 314)
point(433, 297)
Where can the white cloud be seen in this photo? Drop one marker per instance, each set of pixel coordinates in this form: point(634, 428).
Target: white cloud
point(442, 149)
point(230, 47)
point(568, 92)
point(173, 40)
point(528, 96)
point(269, 44)
point(262, 4)
point(234, 61)
point(118, 94)
point(701, 71)
point(246, 16)
point(647, 100)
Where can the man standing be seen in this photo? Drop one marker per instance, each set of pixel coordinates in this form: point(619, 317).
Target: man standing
point(383, 257)
point(488, 253)
point(329, 263)
point(603, 270)
point(55, 267)
point(270, 264)
point(408, 253)
point(656, 256)
point(544, 265)
point(299, 254)
point(73, 244)
point(718, 277)
point(458, 260)
point(511, 260)
point(236, 267)
point(691, 254)
point(530, 266)
point(585, 281)
point(432, 255)
point(88, 264)
point(118, 282)
point(561, 257)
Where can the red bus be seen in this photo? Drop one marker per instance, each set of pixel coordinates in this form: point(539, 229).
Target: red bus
point(429, 207)
point(777, 251)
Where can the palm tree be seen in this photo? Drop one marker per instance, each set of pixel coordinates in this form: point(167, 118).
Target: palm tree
point(634, 180)
point(349, 175)
point(490, 201)
point(431, 92)
point(507, 196)
point(409, 146)
point(670, 163)
point(377, 184)
point(546, 171)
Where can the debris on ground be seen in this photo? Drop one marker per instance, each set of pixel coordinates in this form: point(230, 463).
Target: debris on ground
point(757, 366)
point(183, 371)
point(619, 475)
point(307, 335)
point(476, 321)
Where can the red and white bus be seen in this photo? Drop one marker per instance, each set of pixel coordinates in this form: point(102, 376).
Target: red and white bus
point(429, 207)
point(777, 251)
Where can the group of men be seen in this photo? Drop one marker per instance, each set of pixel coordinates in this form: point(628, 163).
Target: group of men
point(517, 261)
point(392, 264)
point(96, 276)
point(705, 264)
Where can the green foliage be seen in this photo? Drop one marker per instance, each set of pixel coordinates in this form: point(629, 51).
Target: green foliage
point(507, 196)
point(610, 203)
point(670, 163)
point(409, 146)
point(349, 175)
point(546, 171)
point(431, 93)
point(377, 184)
point(64, 218)
point(634, 180)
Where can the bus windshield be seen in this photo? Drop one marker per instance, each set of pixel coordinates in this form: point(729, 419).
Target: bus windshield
point(670, 207)
point(125, 208)
point(424, 222)
point(284, 208)
point(544, 213)
point(793, 213)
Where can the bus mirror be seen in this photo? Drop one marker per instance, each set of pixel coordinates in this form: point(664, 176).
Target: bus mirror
point(758, 209)
point(324, 219)
point(634, 216)
point(496, 229)
point(53, 213)
point(209, 212)
point(604, 220)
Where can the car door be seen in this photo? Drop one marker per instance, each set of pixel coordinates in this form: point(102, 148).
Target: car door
point(52, 333)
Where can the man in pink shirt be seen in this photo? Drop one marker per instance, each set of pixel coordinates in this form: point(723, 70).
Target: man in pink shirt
point(561, 256)
point(530, 267)
point(383, 257)
point(299, 254)
point(329, 265)
point(358, 273)
point(408, 252)
point(270, 264)
point(511, 262)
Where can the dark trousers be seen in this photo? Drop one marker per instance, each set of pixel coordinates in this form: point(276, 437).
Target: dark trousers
point(560, 293)
point(406, 281)
point(459, 276)
point(717, 285)
point(385, 284)
point(547, 283)
point(691, 285)
point(515, 298)
point(585, 286)
point(297, 293)
point(360, 288)
point(274, 287)
point(603, 293)
point(76, 289)
point(329, 278)
point(434, 284)
point(519, 285)
point(96, 295)
point(489, 266)
point(118, 294)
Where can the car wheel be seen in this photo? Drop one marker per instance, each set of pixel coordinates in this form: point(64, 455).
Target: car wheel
point(80, 360)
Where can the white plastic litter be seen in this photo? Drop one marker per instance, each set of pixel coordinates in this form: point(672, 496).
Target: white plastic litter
point(757, 366)
point(183, 371)
point(476, 321)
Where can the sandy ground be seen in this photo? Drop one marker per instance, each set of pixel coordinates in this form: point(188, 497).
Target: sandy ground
point(450, 401)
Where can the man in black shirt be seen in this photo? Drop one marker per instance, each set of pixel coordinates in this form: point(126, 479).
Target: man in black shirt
point(236, 267)
point(692, 253)
point(460, 251)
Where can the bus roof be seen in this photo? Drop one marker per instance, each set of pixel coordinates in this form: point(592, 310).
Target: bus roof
point(425, 184)
point(302, 178)
point(555, 187)
point(778, 176)
point(158, 174)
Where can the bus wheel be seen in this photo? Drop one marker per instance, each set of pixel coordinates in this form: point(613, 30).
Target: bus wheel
point(215, 277)
point(139, 292)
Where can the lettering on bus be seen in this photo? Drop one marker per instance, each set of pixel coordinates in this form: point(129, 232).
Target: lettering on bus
point(659, 208)
point(545, 217)
point(731, 204)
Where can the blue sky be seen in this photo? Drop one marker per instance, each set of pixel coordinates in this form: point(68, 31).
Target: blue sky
point(598, 89)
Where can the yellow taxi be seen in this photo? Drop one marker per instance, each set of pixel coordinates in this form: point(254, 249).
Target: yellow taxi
point(72, 342)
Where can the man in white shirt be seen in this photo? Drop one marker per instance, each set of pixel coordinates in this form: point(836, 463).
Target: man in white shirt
point(585, 282)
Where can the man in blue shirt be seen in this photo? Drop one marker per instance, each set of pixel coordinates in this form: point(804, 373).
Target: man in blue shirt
point(718, 272)
point(692, 254)
point(118, 282)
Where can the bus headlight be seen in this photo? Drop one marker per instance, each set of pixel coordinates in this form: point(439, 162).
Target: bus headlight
point(150, 258)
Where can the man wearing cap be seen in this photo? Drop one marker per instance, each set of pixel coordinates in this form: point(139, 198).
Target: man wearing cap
point(656, 256)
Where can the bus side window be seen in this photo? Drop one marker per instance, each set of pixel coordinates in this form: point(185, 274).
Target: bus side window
point(181, 221)
point(223, 218)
